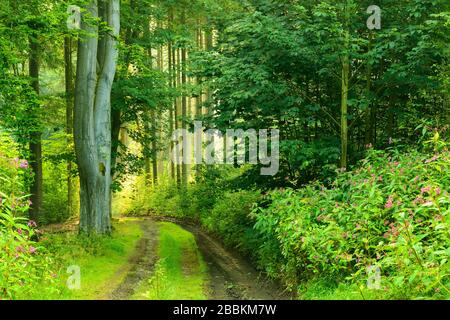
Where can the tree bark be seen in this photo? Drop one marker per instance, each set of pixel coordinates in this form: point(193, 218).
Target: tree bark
point(171, 110)
point(96, 67)
point(344, 94)
point(35, 136)
point(184, 106)
point(369, 113)
point(69, 115)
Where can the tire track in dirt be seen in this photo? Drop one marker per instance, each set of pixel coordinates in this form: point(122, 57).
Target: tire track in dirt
point(142, 262)
point(232, 277)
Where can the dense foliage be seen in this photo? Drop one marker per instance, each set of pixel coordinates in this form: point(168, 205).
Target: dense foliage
point(363, 116)
point(391, 212)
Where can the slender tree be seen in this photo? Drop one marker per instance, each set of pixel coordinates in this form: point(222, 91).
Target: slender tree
point(36, 135)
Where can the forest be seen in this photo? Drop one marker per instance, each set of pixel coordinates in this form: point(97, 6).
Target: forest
point(224, 150)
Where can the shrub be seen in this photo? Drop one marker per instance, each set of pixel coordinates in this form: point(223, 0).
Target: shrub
point(230, 219)
point(391, 213)
point(24, 265)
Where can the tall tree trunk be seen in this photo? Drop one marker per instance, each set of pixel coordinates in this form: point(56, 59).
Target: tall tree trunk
point(184, 106)
point(178, 110)
point(171, 110)
point(369, 113)
point(35, 136)
point(344, 93)
point(92, 115)
point(69, 115)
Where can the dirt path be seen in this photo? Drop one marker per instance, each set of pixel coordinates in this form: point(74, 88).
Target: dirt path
point(142, 262)
point(231, 277)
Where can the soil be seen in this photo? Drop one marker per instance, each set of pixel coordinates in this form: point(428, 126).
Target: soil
point(232, 277)
point(141, 263)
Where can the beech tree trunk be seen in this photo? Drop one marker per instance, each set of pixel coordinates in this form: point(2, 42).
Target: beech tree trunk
point(96, 67)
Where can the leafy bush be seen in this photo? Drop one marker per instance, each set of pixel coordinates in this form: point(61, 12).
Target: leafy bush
point(15, 174)
point(391, 213)
point(231, 221)
point(24, 265)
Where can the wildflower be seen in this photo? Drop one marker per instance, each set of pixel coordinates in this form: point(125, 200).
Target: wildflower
point(32, 224)
point(438, 191)
point(425, 190)
point(19, 249)
point(19, 231)
point(389, 203)
point(435, 157)
point(33, 250)
point(23, 164)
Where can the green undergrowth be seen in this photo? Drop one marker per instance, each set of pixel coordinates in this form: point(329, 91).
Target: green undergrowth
point(102, 261)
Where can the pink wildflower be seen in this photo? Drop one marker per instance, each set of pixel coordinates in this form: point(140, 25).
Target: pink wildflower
point(425, 190)
point(389, 203)
point(32, 224)
point(23, 164)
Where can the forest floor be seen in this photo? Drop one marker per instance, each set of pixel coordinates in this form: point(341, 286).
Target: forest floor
point(226, 275)
point(197, 266)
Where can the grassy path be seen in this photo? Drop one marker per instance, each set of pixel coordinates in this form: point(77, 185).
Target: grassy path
point(180, 272)
point(148, 259)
